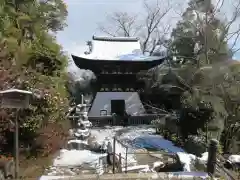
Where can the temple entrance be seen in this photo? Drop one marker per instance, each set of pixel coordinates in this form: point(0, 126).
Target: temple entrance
point(118, 106)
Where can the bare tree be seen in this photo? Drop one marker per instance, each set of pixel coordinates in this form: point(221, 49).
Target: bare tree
point(150, 29)
point(122, 24)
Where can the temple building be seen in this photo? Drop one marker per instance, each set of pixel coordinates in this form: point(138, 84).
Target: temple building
point(115, 62)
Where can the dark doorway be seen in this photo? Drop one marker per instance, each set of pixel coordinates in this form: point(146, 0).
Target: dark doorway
point(118, 106)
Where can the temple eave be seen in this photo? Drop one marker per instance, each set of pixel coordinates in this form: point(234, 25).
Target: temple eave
point(85, 63)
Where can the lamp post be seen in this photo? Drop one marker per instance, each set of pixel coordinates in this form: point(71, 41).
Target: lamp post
point(15, 99)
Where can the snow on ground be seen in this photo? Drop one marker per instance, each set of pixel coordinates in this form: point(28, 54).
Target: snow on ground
point(73, 158)
point(77, 158)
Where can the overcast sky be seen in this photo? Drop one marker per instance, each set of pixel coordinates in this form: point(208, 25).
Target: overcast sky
point(85, 15)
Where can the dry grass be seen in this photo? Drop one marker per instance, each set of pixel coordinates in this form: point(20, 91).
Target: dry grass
point(53, 137)
point(35, 167)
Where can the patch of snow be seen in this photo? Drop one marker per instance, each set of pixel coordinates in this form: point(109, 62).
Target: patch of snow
point(186, 160)
point(234, 158)
point(137, 167)
point(78, 141)
point(53, 177)
point(86, 123)
point(157, 164)
point(82, 130)
point(76, 158)
point(218, 33)
point(203, 159)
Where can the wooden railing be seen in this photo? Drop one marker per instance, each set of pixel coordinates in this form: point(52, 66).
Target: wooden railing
point(133, 120)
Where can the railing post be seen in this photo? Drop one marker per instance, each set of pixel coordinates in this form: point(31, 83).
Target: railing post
point(212, 156)
point(126, 160)
point(120, 163)
point(114, 149)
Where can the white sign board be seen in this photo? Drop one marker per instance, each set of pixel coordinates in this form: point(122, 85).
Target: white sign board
point(15, 99)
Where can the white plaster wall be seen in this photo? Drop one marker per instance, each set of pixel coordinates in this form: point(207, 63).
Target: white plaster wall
point(103, 101)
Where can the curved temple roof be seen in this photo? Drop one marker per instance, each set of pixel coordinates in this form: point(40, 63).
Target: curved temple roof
point(96, 64)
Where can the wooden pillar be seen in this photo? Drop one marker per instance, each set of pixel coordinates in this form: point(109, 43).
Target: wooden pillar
point(16, 145)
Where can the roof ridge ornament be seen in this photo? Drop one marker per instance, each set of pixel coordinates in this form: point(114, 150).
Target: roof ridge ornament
point(118, 39)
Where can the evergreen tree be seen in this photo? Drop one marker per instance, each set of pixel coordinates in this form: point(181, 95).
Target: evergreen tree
point(31, 59)
point(199, 29)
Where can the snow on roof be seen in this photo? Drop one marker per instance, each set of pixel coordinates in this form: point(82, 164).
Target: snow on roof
point(15, 90)
point(116, 48)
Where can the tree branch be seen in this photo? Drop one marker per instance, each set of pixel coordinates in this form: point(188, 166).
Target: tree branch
point(129, 25)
